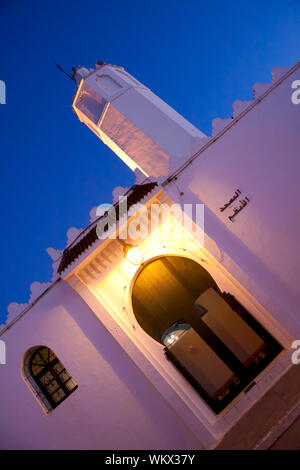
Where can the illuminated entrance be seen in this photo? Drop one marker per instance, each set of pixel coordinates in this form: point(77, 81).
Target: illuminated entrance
point(208, 335)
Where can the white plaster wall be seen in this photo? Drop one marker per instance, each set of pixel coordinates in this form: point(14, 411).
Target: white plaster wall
point(260, 156)
point(114, 407)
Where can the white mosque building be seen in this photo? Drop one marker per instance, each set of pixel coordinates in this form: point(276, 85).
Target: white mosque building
point(172, 319)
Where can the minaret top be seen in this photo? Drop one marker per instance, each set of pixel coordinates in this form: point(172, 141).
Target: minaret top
point(80, 72)
point(137, 125)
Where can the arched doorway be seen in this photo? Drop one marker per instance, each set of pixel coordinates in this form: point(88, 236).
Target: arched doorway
point(208, 335)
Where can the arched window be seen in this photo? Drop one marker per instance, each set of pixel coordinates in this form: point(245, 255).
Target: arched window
point(208, 335)
point(50, 376)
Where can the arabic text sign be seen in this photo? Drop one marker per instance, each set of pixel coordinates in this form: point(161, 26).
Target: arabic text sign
point(236, 210)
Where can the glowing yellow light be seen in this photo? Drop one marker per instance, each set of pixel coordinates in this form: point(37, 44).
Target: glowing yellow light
point(135, 256)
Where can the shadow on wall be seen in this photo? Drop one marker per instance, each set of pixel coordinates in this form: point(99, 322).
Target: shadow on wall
point(222, 241)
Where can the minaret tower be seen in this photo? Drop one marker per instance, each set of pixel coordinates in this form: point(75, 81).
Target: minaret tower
point(138, 126)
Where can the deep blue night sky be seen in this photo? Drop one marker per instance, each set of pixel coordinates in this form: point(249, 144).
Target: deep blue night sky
point(198, 56)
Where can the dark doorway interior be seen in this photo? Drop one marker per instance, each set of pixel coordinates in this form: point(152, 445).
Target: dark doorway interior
point(208, 335)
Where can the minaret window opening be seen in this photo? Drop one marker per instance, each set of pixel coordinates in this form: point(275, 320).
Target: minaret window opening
point(90, 103)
